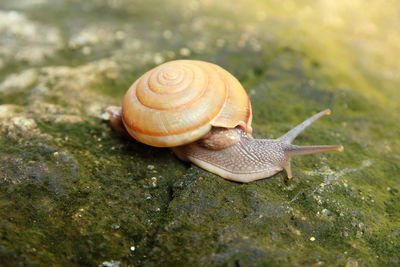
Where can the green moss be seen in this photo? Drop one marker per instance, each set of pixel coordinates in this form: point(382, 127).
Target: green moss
point(103, 226)
point(78, 194)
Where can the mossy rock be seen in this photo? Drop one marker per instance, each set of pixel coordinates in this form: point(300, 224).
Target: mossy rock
point(73, 192)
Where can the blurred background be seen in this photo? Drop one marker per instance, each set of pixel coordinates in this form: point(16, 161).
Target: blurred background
point(73, 192)
point(353, 42)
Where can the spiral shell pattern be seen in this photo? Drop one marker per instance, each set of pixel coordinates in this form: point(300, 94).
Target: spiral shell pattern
point(179, 101)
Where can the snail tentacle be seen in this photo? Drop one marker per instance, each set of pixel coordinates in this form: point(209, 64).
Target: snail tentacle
point(293, 133)
point(293, 150)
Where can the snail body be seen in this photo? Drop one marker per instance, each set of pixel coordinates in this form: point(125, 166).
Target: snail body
point(203, 113)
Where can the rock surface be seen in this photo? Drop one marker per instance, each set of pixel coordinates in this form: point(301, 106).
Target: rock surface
point(73, 193)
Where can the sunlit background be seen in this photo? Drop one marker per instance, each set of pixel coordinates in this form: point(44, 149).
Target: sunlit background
point(355, 42)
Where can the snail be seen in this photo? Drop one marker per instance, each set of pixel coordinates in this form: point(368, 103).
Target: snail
point(203, 113)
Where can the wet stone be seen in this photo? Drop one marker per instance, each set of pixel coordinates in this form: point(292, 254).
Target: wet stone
point(74, 192)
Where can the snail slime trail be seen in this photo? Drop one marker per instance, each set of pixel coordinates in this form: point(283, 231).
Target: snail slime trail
point(215, 132)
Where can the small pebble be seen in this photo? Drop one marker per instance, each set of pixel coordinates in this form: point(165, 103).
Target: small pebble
point(184, 51)
point(120, 35)
point(150, 167)
point(110, 264)
point(115, 226)
point(154, 181)
point(86, 50)
point(326, 212)
point(167, 34)
point(158, 59)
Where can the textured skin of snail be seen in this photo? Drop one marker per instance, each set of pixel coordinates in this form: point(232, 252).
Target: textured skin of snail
point(203, 113)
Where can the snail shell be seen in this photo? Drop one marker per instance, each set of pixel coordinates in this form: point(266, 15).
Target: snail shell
point(178, 102)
